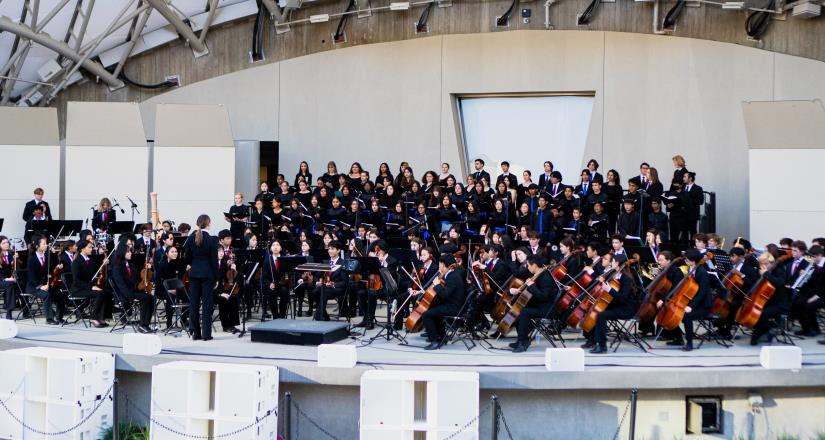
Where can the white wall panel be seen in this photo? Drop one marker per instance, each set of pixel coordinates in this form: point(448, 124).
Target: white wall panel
point(106, 156)
point(24, 168)
point(791, 209)
point(192, 180)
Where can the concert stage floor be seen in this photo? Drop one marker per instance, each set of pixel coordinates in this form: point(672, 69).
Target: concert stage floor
point(663, 367)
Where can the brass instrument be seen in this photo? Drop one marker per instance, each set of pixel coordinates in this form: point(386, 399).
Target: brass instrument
point(650, 270)
point(804, 276)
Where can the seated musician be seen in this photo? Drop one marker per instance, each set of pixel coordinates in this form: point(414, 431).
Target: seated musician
point(497, 272)
point(68, 255)
point(126, 276)
point(780, 302)
point(38, 284)
point(450, 296)
point(227, 303)
point(674, 274)
point(379, 251)
point(8, 282)
point(144, 243)
point(699, 306)
point(623, 304)
point(336, 284)
point(425, 270)
point(811, 296)
point(167, 268)
point(274, 292)
point(750, 277)
point(304, 283)
point(83, 270)
point(544, 293)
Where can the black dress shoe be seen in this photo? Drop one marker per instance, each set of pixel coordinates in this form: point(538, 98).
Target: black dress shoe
point(821, 341)
point(99, 324)
point(207, 338)
point(513, 344)
point(687, 347)
point(495, 335)
point(676, 342)
point(588, 344)
point(800, 333)
point(196, 337)
point(363, 323)
point(424, 335)
point(520, 348)
point(599, 349)
point(433, 346)
point(398, 326)
point(370, 325)
point(51, 322)
point(142, 329)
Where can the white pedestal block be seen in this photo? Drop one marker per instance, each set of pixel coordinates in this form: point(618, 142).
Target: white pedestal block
point(140, 344)
point(337, 356)
point(8, 329)
point(564, 359)
point(781, 358)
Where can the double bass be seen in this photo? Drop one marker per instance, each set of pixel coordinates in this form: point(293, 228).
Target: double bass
point(656, 290)
point(759, 295)
point(524, 297)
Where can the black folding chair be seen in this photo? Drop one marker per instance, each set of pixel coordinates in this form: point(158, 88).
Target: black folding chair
point(76, 304)
point(176, 305)
point(127, 311)
point(460, 328)
point(626, 330)
point(709, 333)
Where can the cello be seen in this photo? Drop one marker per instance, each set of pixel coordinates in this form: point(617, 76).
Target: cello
point(672, 312)
point(415, 322)
point(524, 297)
point(656, 290)
point(759, 295)
point(734, 283)
point(602, 297)
point(579, 285)
point(506, 301)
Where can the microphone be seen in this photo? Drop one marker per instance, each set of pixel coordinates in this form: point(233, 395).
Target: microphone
point(118, 205)
point(134, 205)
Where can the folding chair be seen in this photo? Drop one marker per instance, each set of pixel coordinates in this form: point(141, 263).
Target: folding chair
point(709, 332)
point(626, 330)
point(780, 331)
point(127, 311)
point(549, 327)
point(76, 304)
point(459, 328)
point(177, 307)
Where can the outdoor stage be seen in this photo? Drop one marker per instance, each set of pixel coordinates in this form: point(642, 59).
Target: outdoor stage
point(664, 377)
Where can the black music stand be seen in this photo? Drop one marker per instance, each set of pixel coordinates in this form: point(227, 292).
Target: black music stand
point(1, 224)
point(288, 265)
point(324, 268)
point(370, 266)
point(121, 227)
point(243, 259)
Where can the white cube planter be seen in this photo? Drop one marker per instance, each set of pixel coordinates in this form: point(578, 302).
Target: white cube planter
point(52, 390)
point(403, 404)
point(200, 398)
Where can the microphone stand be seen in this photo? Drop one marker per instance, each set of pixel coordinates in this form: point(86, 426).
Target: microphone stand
point(134, 208)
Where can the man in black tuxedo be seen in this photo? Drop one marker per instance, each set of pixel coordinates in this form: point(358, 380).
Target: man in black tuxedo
point(369, 296)
point(512, 182)
point(697, 199)
point(37, 282)
point(479, 172)
point(644, 175)
point(498, 272)
point(28, 211)
point(544, 179)
point(556, 187)
point(337, 282)
point(811, 296)
point(451, 296)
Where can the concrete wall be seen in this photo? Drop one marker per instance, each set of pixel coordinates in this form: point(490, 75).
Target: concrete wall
point(655, 97)
point(539, 415)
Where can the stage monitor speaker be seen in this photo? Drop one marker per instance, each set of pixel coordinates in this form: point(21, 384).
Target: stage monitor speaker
point(292, 332)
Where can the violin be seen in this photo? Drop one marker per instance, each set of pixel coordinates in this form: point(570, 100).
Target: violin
point(54, 281)
point(415, 322)
point(759, 295)
point(656, 290)
point(230, 284)
point(147, 276)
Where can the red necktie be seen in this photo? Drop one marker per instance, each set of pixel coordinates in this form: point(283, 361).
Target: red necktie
point(88, 262)
point(128, 270)
point(104, 217)
point(276, 264)
point(42, 260)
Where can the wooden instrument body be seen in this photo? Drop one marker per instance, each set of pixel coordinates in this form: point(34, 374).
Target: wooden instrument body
point(581, 282)
point(656, 290)
point(54, 280)
point(602, 299)
point(734, 283)
point(146, 276)
point(415, 322)
point(672, 312)
point(375, 282)
point(506, 301)
point(524, 297)
point(759, 295)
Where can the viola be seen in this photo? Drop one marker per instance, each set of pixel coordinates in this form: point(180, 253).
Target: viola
point(524, 297)
point(375, 282)
point(759, 295)
point(230, 284)
point(656, 290)
point(147, 277)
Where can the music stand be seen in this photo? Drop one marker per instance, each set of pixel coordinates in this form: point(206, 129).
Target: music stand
point(288, 265)
point(371, 266)
point(243, 258)
point(71, 227)
point(121, 227)
point(324, 268)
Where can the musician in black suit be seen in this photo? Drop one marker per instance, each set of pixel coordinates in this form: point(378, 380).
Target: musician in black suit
point(28, 210)
point(697, 199)
point(144, 243)
point(274, 291)
point(593, 167)
point(811, 296)
point(700, 305)
point(8, 282)
point(38, 283)
point(167, 267)
point(780, 302)
point(125, 277)
point(628, 223)
point(556, 187)
point(451, 298)
point(335, 287)
point(679, 171)
point(83, 270)
point(496, 270)
point(479, 172)
point(624, 302)
point(750, 277)
point(679, 204)
point(512, 182)
point(656, 219)
point(544, 179)
point(370, 296)
point(104, 215)
point(228, 304)
point(202, 256)
point(544, 292)
point(38, 215)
